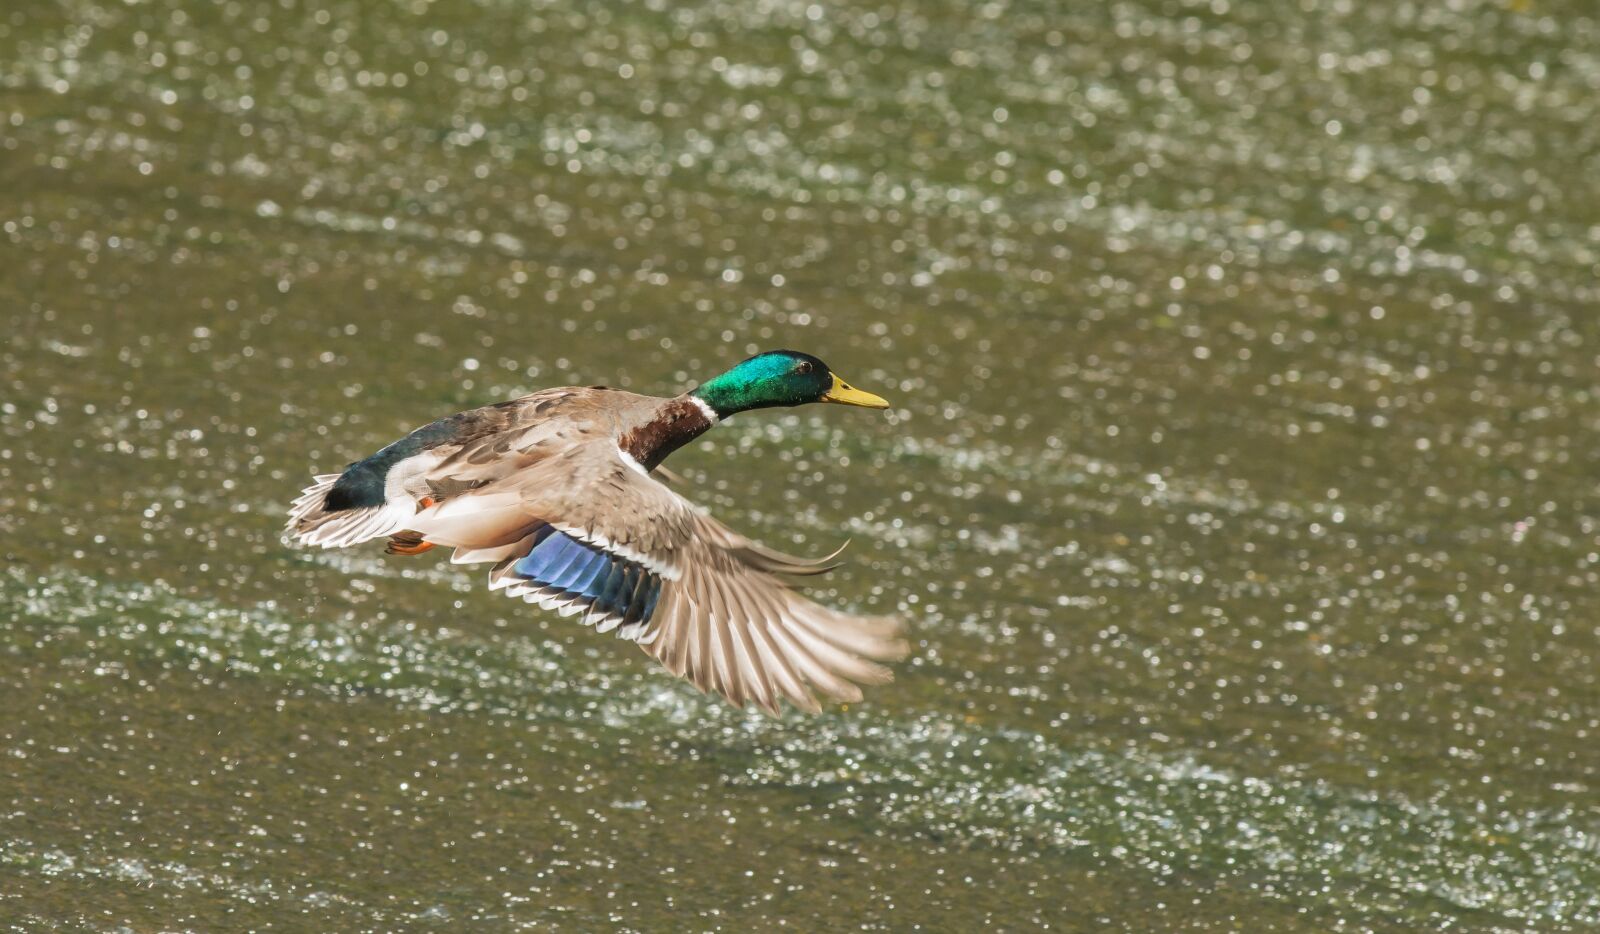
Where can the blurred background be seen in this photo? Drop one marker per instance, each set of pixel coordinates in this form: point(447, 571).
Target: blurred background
point(1240, 488)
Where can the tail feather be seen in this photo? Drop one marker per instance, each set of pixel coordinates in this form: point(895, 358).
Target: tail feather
point(312, 523)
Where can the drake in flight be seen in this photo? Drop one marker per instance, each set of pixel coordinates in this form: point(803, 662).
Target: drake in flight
point(558, 490)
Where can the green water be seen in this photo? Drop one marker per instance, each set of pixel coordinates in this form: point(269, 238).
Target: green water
point(1240, 488)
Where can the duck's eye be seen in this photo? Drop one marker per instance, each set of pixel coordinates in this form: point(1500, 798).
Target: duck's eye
point(804, 367)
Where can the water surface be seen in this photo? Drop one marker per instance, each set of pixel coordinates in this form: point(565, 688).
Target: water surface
point(1240, 487)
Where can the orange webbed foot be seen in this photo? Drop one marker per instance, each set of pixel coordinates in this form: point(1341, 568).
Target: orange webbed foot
point(407, 543)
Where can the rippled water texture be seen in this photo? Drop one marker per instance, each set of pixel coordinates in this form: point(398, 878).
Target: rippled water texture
point(1240, 487)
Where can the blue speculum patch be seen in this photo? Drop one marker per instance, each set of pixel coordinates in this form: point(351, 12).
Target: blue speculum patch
point(601, 580)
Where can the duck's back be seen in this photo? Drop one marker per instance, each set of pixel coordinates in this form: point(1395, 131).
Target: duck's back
point(460, 452)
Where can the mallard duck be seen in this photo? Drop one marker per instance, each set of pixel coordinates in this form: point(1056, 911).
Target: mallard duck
point(560, 490)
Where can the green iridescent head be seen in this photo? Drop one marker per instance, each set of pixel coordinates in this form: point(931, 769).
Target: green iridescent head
point(780, 377)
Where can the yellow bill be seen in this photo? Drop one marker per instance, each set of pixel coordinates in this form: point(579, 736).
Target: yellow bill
point(846, 394)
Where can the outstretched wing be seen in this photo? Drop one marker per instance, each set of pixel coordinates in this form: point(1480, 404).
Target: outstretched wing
point(585, 532)
point(733, 624)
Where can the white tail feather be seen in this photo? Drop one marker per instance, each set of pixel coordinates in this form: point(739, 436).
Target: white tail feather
point(311, 526)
